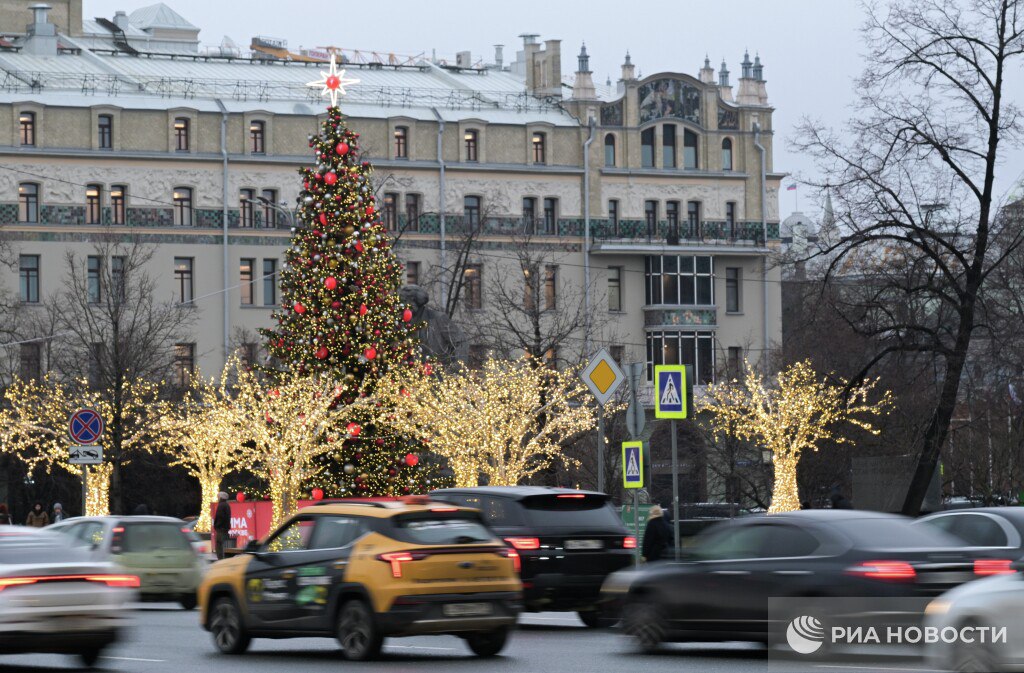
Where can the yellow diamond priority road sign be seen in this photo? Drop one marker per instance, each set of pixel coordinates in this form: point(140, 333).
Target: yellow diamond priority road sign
point(603, 376)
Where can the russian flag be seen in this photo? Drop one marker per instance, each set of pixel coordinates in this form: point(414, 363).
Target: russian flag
point(791, 188)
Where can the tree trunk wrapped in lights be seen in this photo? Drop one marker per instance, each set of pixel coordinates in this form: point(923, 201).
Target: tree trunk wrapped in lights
point(507, 421)
point(798, 411)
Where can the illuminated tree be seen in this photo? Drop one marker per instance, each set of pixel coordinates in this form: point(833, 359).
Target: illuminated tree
point(798, 411)
point(507, 421)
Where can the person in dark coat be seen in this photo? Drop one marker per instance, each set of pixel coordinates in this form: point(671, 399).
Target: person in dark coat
point(657, 536)
point(221, 523)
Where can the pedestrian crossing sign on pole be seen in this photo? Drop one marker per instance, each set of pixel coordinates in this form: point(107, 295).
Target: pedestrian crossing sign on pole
point(670, 391)
point(633, 464)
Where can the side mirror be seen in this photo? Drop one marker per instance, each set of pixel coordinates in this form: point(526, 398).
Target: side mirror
point(252, 546)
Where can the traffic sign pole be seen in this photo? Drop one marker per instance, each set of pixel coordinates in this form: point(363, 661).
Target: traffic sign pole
point(600, 449)
point(636, 527)
point(85, 489)
point(675, 491)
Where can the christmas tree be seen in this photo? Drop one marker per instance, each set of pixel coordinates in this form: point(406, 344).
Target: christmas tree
point(341, 312)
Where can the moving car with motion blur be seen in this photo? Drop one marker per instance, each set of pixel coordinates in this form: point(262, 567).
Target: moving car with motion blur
point(364, 571)
point(997, 531)
point(55, 599)
point(569, 541)
point(747, 579)
point(202, 543)
point(154, 548)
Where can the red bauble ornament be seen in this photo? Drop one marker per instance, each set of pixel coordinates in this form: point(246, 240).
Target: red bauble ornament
point(411, 459)
point(335, 304)
point(322, 353)
point(428, 369)
point(379, 442)
point(323, 218)
point(318, 494)
point(363, 310)
point(299, 308)
point(370, 353)
point(359, 246)
point(407, 315)
point(353, 429)
point(274, 392)
point(341, 148)
point(369, 210)
point(240, 497)
point(332, 82)
point(331, 178)
point(331, 282)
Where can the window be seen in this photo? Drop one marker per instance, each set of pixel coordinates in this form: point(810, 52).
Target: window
point(181, 134)
point(550, 288)
point(183, 279)
point(672, 214)
point(530, 215)
point(474, 287)
point(693, 219)
point(269, 200)
point(668, 146)
point(614, 288)
point(727, 154)
point(118, 268)
point(651, 217)
point(401, 142)
point(184, 363)
point(785, 541)
point(257, 136)
point(247, 282)
point(471, 145)
point(30, 364)
point(477, 355)
point(94, 283)
point(118, 196)
point(246, 208)
point(679, 280)
point(689, 149)
point(609, 150)
point(390, 212)
point(412, 212)
point(618, 354)
point(732, 289)
point(183, 206)
point(550, 216)
point(735, 362)
point(613, 216)
point(28, 202)
point(730, 219)
point(682, 348)
point(105, 131)
point(27, 125)
point(93, 211)
point(28, 271)
point(538, 148)
point(471, 212)
point(412, 273)
point(647, 148)
point(269, 282)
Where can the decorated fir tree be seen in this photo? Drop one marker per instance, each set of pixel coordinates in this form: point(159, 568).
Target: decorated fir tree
point(341, 312)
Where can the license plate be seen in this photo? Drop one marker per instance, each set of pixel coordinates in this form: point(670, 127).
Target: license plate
point(584, 544)
point(161, 580)
point(466, 609)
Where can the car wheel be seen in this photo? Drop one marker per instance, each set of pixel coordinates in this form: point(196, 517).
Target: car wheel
point(357, 632)
point(645, 624)
point(91, 656)
point(229, 634)
point(188, 601)
point(592, 619)
point(487, 643)
point(974, 657)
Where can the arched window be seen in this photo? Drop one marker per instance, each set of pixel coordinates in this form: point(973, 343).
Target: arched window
point(727, 154)
point(689, 149)
point(668, 146)
point(609, 150)
point(647, 148)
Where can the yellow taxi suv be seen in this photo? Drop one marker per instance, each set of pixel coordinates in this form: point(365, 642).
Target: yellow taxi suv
point(365, 571)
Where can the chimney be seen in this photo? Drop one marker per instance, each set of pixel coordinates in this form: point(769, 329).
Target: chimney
point(747, 93)
point(584, 89)
point(707, 73)
point(464, 59)
point(530, 48)
point(120, 19)
point(499, 58)
point(40, 35)
point(553, 68)
point(628, 74)
point(724, 88)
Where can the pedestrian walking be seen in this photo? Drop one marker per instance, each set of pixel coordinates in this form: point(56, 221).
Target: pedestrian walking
point(38, 518)
point(58, 512)
point(657, 535)
point(5, 516)
point(221, 523)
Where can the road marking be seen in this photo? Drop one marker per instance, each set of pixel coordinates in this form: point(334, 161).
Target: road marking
point(875, 668)
point(151, 661)
point(420, 647)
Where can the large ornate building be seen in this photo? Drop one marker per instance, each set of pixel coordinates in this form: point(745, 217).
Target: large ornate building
point(653, 202)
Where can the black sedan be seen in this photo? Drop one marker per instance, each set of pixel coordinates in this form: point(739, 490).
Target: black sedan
point(750, 578)
point(997, 532)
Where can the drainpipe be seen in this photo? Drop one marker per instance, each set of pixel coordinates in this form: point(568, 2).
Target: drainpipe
point(586, 236)
point(440, 202)
point(224, 226)
point(764, 238)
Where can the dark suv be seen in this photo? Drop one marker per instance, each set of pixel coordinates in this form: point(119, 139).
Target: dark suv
point(569, 541)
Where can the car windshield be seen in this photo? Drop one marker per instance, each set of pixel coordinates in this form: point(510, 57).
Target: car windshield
point(576, 512)
point(440, 530)
point(883, 533)
point(37, 548)
point(146, 537)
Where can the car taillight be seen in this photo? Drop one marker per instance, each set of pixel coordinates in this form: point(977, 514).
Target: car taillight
point(574, 496)
point(123, 581)
point(16, 581)
point(517, 561)
point(397, 558)
point(117, 540)
point(892, 571)
point(629, 542)
point(993, 566)
point(524, 542)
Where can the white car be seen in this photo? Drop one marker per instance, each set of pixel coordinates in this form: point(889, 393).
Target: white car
point(978, 626)
point(54, 599)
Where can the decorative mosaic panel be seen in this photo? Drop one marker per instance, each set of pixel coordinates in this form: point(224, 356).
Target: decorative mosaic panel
point(669, 97)
point(728, 118)
point(62, 215)
point(611, 114)
point(205, 217)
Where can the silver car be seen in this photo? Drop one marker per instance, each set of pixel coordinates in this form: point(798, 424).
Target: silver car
point(55, 599)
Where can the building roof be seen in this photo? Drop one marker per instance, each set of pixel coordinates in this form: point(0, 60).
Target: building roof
point(159, 16)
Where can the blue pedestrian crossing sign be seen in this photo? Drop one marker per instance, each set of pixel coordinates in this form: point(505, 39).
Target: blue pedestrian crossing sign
point(633, 464)
point(670, 391)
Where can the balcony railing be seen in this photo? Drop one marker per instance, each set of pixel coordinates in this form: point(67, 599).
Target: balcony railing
point(706, 232)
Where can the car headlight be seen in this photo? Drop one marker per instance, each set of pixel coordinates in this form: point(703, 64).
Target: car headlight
point(938, 607)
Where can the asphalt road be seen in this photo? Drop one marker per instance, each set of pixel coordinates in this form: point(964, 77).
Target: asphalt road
point(166, 639)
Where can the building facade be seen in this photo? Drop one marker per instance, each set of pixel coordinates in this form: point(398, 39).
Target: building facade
point(651, 205)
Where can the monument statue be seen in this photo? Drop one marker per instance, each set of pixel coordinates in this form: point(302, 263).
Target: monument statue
point(440, 338)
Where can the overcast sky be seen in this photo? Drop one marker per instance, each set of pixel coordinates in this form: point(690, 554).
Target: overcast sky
point(810, 49)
